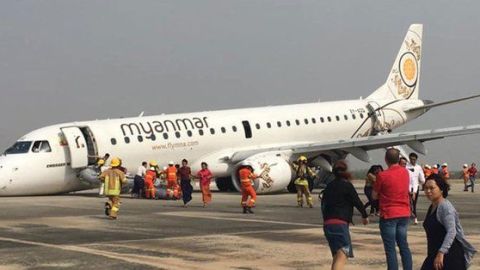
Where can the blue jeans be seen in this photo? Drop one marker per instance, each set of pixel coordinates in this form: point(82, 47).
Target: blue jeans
point(395, 231)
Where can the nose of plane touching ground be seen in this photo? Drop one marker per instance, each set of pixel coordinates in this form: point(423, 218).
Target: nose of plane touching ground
point(5, 177)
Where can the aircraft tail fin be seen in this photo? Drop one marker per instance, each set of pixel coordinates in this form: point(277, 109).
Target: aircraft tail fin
point(404, 77)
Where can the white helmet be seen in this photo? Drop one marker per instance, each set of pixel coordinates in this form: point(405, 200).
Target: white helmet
point(435, 166)
point(170, 163)
point(427, 166)
point(465, 165)
point(445, 165)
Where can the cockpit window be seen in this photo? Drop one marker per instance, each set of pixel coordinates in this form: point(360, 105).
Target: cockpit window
point(41, 147)
point(19, 148)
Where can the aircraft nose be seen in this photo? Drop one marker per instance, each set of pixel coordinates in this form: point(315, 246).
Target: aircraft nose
point(5, 177)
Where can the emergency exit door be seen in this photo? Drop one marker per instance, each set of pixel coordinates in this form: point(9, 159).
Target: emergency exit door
point(77, 146)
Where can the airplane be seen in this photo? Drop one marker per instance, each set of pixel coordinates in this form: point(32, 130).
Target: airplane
point(55, 159)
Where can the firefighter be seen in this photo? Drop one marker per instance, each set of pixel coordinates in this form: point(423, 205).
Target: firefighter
point(113, 180)
point(302, 172)
point(150, 177)
point(427, 170)
point(444, 173)
point(171, 176)
point(100, 168)
point(246, 176)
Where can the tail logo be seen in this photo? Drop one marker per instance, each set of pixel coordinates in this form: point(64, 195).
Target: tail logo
point(408, 69)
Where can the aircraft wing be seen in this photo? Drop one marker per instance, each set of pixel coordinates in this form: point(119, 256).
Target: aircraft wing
point(358, 147)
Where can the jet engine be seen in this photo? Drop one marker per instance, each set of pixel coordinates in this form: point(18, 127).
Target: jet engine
point(274, 173)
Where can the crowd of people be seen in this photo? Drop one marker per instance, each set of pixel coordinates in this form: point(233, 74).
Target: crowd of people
point(392, 195)
point(171, 182)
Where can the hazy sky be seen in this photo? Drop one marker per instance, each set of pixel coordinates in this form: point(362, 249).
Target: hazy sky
point(64, 61)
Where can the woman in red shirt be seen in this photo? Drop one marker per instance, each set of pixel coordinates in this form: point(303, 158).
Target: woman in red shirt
point(205, 177)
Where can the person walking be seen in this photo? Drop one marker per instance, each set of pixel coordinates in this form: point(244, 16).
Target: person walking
point(246, 176)
point(302, 172)
point(472, 173)
point(417, 179)
point(338, 201)
point(391, 188)
point(113, 180)
point(138, 182)
point(185, 174)
point(368, 188)
point(447, 247)
point(205, 177)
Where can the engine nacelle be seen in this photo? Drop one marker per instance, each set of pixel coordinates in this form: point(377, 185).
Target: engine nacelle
point(274, 173)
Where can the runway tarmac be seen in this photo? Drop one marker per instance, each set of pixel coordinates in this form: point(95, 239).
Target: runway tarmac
point(71, 231)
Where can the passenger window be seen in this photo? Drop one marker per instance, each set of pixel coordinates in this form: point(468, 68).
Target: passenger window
point(165, 136)
point(288, 123)
point(177, 134)
point(322, 120)
point(212, 131)
point(361, 115)
point(126, 139)
point(353, 116)
point(223, 130)
point(189, 133)
point(314, 120)
point(329, 119)
point(269, 125)
point(279, 124)
point(234, 128)
point(346, 117)
point(257, 126)
point(306, 121)
point(297, 122)
point(140, 138)
point(113, 141)
point(337, 117)
point(200, 132)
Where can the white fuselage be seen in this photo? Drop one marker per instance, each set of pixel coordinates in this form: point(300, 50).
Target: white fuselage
point(197, 137)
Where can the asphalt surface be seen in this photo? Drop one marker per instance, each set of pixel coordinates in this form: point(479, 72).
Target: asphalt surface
point(71, 231)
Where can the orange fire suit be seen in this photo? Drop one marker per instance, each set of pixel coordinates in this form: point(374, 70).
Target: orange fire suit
point(171, 176)
point(150, 177)
point(246, 177)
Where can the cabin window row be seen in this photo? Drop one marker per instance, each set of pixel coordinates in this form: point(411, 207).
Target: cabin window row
point(223, 130)
point(176, 134)
point(312, 120)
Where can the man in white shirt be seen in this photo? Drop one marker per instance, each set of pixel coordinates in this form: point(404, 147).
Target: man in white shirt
point(138, 182)
point(417, 178)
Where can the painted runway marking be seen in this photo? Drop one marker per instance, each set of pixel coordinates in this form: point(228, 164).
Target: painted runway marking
point(130, 258)
point(202, 215)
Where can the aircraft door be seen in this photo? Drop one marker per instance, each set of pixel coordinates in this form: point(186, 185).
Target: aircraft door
point(77, 146)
